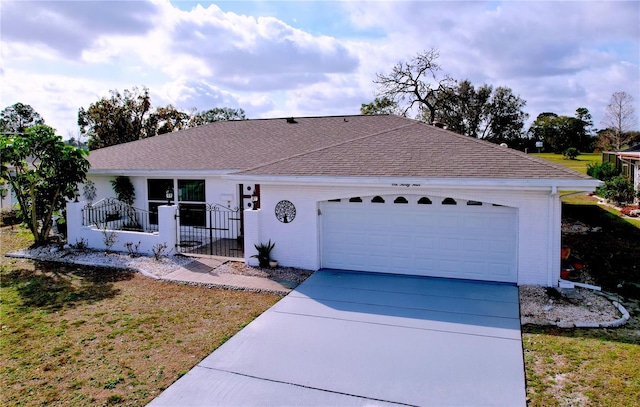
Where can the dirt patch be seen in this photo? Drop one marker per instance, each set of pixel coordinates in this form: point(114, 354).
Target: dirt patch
point(547, 306)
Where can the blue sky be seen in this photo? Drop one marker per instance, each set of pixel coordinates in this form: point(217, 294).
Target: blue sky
point(286, 58)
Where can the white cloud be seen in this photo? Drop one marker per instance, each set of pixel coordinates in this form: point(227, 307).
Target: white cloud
point(272, 59)
point(70, 27)
point(258, 54)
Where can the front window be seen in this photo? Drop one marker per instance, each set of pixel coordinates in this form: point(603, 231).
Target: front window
point(190, 195)
point(191, 190)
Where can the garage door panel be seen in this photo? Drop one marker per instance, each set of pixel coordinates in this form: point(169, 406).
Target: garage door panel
point(474, 268)
point(500, 271)
point(475, 242)
point(401, 263)
point(449, 244)
point(379, 240)
point(477, 246)
point(449, 221)
point(474, 222)
point(425, 264)
point(425, 242)
point(500, 246)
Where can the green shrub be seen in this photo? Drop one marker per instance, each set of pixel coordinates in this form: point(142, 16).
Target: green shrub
point(264, 253)
point(604, 171)
point(124, 190)
point(618, 189)
point(571, 153)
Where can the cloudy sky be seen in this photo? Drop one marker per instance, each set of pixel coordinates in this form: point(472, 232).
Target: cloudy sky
point(311, 58)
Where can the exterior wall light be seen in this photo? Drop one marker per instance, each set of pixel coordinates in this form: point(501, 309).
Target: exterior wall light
point(169, 196)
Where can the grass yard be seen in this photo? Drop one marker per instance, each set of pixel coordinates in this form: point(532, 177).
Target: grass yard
point(89, 336)
point(579, 164)
point(584, 367)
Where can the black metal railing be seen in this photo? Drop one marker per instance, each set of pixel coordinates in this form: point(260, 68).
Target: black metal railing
point(210, 229)
point(113, 214)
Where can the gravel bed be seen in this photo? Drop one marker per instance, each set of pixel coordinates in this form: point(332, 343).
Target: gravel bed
point(546, 306)
point(538, 305)
point(279, 273)
point(147, 265)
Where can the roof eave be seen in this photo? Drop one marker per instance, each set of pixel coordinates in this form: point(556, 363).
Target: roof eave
point(586, 185)
point(161, 172)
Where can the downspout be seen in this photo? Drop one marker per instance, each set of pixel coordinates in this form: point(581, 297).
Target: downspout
point(552, 236)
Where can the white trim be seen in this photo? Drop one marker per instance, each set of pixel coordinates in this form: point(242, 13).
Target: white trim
point(415, 183)
point(163, 173)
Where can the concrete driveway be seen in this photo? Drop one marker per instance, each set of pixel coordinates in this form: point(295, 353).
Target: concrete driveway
point(353, 338)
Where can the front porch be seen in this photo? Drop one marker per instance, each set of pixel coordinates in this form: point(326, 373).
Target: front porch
point(208, 230)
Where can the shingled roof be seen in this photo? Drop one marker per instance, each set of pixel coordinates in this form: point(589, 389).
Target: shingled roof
point(340, 146)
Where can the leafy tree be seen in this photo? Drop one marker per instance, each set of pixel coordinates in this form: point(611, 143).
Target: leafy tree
point(115, 120)
point(571, 153)
point(379, 106)
point(464, 108)
point(562, 132)
point(619, 120)
point(494, 115)
point(505, 118)
point(634, 137)
point(602, 171)
point(216, 115)
point(129, 116)
point(166, 120)
point(418, 83)
point(43, 172)
point(18, 117)
point(618, 189)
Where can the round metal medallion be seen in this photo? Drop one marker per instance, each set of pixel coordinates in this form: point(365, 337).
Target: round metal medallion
point(285, 211)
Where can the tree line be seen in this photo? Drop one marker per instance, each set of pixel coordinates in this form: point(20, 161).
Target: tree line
point(129, 116)
point(495, 114)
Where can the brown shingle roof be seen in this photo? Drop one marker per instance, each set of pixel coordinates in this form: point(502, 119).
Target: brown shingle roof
point(366, 146)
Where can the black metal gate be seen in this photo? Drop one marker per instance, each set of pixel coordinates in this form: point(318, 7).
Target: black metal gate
point(210, 229)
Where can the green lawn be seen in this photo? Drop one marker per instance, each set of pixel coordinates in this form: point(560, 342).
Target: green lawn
point(579, 164)
point(591, 367)
point(82, 336)
point(581, 367)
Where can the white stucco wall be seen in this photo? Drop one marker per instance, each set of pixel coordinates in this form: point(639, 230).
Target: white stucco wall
point(94, 237)
point(298, 243)
point(217, 190)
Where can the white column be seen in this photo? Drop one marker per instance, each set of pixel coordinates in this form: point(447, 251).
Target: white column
point(74, 221)
point(251, 235)
point(167, 226)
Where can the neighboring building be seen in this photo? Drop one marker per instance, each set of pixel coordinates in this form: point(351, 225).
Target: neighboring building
point(367, 193)
point(8, 199)
point(627, 161)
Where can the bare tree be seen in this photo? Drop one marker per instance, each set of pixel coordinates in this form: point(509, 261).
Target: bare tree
point(417, 83)
point(619, 120)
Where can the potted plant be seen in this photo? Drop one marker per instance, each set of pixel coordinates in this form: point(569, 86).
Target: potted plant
point(264, 253)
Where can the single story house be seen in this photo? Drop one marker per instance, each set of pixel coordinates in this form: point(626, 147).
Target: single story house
point(627, 161)
point(376, 193)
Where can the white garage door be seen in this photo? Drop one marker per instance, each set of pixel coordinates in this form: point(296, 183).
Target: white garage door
point(436, 237)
